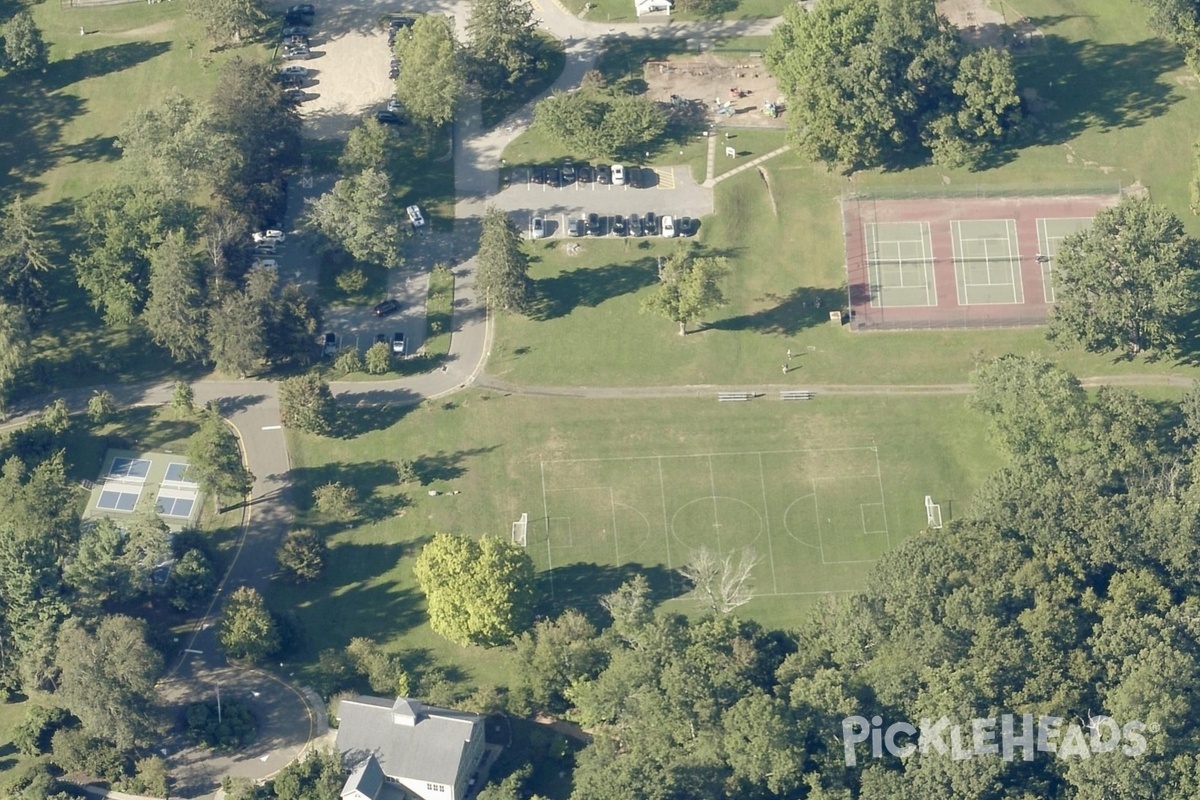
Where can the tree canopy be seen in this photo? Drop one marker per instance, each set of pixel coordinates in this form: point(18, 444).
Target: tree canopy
point(689, 285)
point(1129, 282)
point(306, 403)
point(504, 42)
point(600, 123)
point(24, 48)
point(432, 69)
point(503, 265)
point(360, 216)
point(869, 82)
point(478, 591)
point(216, 459)
point(247, 629)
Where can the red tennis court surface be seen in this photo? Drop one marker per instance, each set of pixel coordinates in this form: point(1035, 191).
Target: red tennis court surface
point(957, 262)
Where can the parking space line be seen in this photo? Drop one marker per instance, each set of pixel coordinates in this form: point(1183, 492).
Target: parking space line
point(666, 177)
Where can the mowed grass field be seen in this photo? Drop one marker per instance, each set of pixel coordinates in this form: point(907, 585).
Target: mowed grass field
point(818, 489)
point(1109, 105)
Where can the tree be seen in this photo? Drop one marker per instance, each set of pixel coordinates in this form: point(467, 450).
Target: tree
point(764, 744)
point(216, 460)
point(174, 314)
point(370, 146)
point(151, 777)
point(503, 274)
point(432, 70)
point(289, 317)
point(316, 777)
point(108, 677)
point(384, 671)
point(721, 584)
point(349, 361)
point(24, 256)
point(228, 20)
point(237, 335)
point(301, 555)
point(688, 287)
point(336, 500)
point(504, 42)
point(600, 124)
point(1128, 282)
point(191, 581)
point(247, 629)
point(32, 736)
point(478, 592)
point(359, 215)
point(14, 347)
point(24, 49)
point(379, 359)
point(1177, 21)
point(183, 398)
point(101, 407)
point(172, 145)
point(306, 403)
point(868, 81)
point(556, 654)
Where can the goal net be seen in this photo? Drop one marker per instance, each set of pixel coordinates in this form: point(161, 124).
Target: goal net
point(933, 512)
point(518, 530)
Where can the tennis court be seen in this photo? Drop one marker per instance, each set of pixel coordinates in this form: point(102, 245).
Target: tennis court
point(126, 477)
point(900, 262)
point(1051, 232)
point(987, 262)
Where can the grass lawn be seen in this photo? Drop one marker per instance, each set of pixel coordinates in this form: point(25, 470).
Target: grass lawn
point(439, 312)
point(535, 147)
point(335, 264)
point(623, 10)
point(750, 144)
point(835, 480)
point(11, 715)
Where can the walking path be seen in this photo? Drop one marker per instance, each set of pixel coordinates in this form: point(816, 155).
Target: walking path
point(737, 170)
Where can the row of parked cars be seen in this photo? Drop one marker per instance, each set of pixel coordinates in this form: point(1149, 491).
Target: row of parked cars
point(603, 174)
point(330, 346)
point(266, 247)
point(295, 44)
point(648, 224)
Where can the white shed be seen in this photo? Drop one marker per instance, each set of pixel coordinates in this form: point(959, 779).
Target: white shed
point(644, 7)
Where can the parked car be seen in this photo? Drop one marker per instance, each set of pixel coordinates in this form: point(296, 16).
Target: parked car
point(297, 19)
point(618, 175)
point(603, 174)
point(554, 177)
point(668, 227)
point(635, 225)
point(584, 173)
point(330, 346)
point(295, 71)
point(537, 228)
point(401, 22)
point(387, 308)
point(537, 175)
point(414, 216)
point(684, 226)
point(297, 54)
point(381, 338)
point(269, 235)
point(295, 40)
point(398, 343)
point(618, 225)
point(651, 223)
point(393, 106)
point(593, 224)
point(388, 118)
point(295, 95)
point(305, 9)
point(264, 249)
point(568, 173)
point(394, 69)
point(575, 226)
point(633, 178)
point(296, 30)
point(264, 263)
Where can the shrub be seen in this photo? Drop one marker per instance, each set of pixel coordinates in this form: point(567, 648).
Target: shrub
point(32, 735)
point(379, 358)
point(335, 500)
point(233, 728)
point(348, 361)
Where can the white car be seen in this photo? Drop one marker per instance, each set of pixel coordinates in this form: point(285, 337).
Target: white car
point(295, 71)
point(537, 228)
point(271, 235)
point(265, 249)
point(668, 227)
point(265, 263)
point(414, 216)
point(618, 175)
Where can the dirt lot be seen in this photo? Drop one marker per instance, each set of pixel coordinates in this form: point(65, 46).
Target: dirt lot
point(737, 85)
point(983, 26)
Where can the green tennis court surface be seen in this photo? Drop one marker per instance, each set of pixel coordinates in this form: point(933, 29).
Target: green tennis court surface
point(987, 265)
point(1051, 232)
point(900, 264)
point(816, 518)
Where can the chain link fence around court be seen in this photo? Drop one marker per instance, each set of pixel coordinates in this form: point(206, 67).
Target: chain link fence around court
point(982, 191)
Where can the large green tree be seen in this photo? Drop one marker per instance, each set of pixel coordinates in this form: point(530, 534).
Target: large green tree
point(503, 276)
point(24, 48)
point(172, 144)
point(477, 591)
point(237, 335)
point(229, 20)
point(504, 43)
point(247, 629)
point(432, 69)
point(1129, 282)
point(108, 676)
point(305, 403)
point(14, 348)
point(216, 460)
point(175, 315)
point(360, 216)
point(595, 122)
point(25, 256)
point(370, 146)
point(689, 285)
point(869, 81)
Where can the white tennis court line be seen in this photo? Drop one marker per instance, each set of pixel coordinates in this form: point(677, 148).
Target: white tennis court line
point(875, 265)
point(762, 481)
point(1011, 246)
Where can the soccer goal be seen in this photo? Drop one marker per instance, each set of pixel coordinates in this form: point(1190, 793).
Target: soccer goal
point(933, 512)
point(519, 528)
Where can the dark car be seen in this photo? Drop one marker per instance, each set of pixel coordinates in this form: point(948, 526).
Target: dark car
point(296, 30)
point(554, 177)
point(538, 175)
point(575, 226)
point(388, 118)
point(295, 95)
point(651, 223)
point(635, 225)
point(685, 226)
point(387, 308)
point(633, 177)
point(381, 338)
point(398, 343)
point(395, 23)
point(289, 81)
point(303, 9)
point(593, 224)
point(603, 174)
point(585, 173)
point(618, 225)
point(298, 19)
point(329, 346)
point(568, 174)
point(295, 40)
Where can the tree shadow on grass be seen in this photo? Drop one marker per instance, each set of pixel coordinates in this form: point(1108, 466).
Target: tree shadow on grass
point(806, 307)
point(100, 61)
point(561, 294)
point(580, 585)
point(367, 477)
point(357, 415)
point(442, 466)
